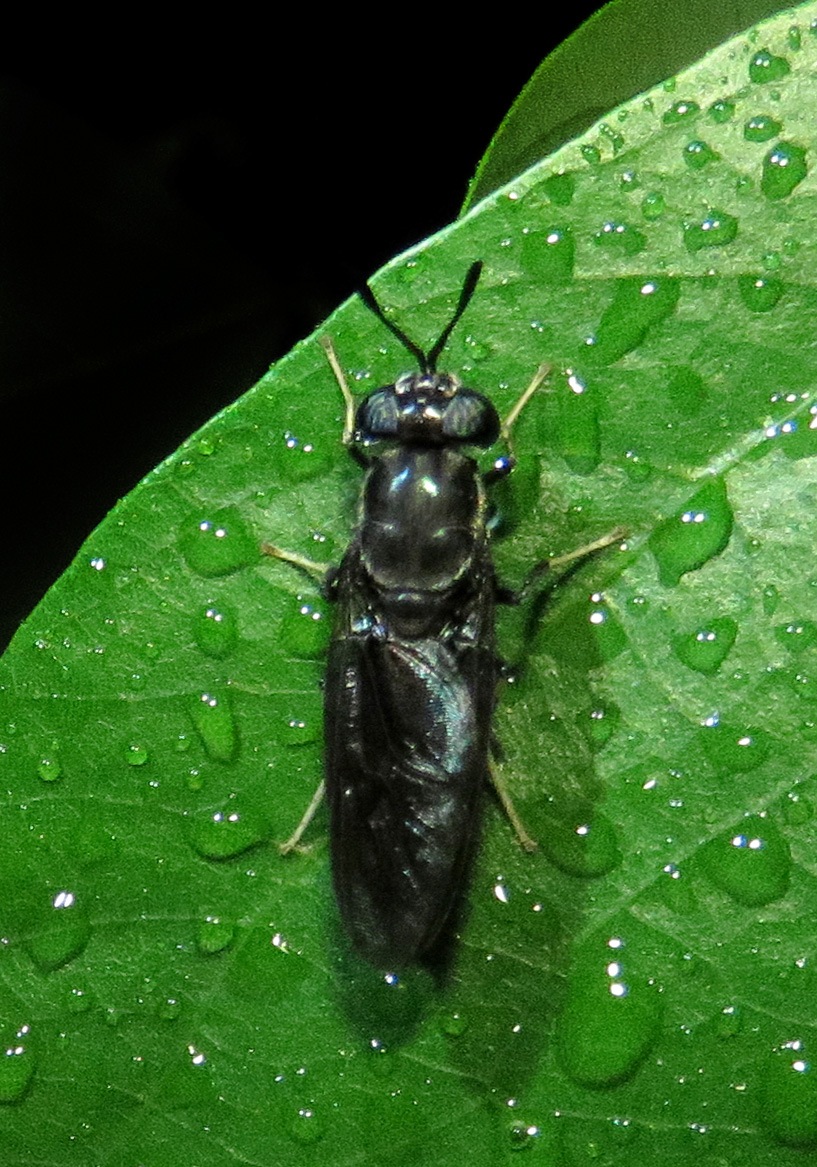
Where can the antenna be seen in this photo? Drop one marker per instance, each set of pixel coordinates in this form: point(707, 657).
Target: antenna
point(427, 362)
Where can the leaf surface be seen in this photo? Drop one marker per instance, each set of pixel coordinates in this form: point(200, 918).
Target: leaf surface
point(173, 988)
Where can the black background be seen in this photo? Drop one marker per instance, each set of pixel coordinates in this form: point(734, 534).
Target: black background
point(182, 204)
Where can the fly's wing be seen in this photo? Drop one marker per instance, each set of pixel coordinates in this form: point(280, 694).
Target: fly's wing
point(407, 738)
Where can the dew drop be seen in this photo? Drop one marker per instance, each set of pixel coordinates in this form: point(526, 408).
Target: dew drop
point(771, 598)
point(136, 754)
point(783, 168)
point(751, 863)
point(579, 436)
point(548, 255)
point(698, 154)
point(59, 933)
point(620, 237)
point(693, 536)
point(223, 834)
point(609, 637)
point(794, 38)
point(797, 635)
point(611, 1017)
point(638, 305)
point(305, 627)
point(560, 188)
point(586, 847)
point(721, 111)
point(453, 1024)
point(788, 1103)
point(306, 1128)
point(214, 935)
point(215, 630)
point(733, 750)
point(760, 293)
point(591, 154)
point(49, 768)
point(638, 469)
point(797, 809)
point(681, 111)
point(729, 1022)
point(761, 128)
point(79, 1001)
point(716, 230)
point(217, 544)
point(765, 66)
point(613, 136)
point(522, 1135)
point(707, 646)
point(653, 206)
point(17, 1065)
point(212, 715)
point(169, 1009)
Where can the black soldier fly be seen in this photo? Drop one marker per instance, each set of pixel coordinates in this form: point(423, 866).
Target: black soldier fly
point(413, 668)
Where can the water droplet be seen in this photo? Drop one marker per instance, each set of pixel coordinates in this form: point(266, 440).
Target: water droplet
point(783, 168)
point(299, 458)
point(213, 718)
point(223, 834)
point(698, 154)
point(613, 136)
point(638, 469)
point(453, 1024)
point(621, 237)
point(560, 188)
point(721, 111)
point(797, 809)
point(794, 38)
point(591, 154)
point(681, 111)
point(217, 544)
point(693, 536)
point(547, 255)
point(653, 206)
point(733, 750)
point(215, 630)
point(49, 768)
point(169, 1009)
point(611, 1017)
point(136, 754)
point(609, 637)
point(761, 128)
point(629, 181)
point(765, 66)
point(79, 1001)
point(306, 1128)
point(603, 722)
point(788, 1103)
point(716, 230)
point(579, 437)
point(522, 1135)
point(760, 293)
point(797, 635)
point(706, 648)
point(305, 628)
point(214, 935)
point(582, 844)
point(729, 1022)
point(638, 306)
point(59, 933)
point(17, 1065)
point(752, 863)
point(771, 598)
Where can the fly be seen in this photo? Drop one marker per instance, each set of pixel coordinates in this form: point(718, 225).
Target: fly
point(413, 669)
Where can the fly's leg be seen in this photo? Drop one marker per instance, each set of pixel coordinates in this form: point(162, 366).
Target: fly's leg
point(348, 401)
point(319, 570)
point(505, 464)
point(526, 842)
point(571, 558)
point(293, 843)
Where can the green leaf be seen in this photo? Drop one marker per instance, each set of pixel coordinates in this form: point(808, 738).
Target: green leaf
point(643, 988)
point(626, 47)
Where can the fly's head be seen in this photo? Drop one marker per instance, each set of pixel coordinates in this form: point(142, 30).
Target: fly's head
point(428, 409)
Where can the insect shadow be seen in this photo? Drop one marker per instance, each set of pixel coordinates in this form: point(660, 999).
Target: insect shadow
point(413, 666)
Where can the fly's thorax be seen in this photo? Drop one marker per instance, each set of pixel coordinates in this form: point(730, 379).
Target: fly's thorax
point(432, 409)
point(422, 521)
